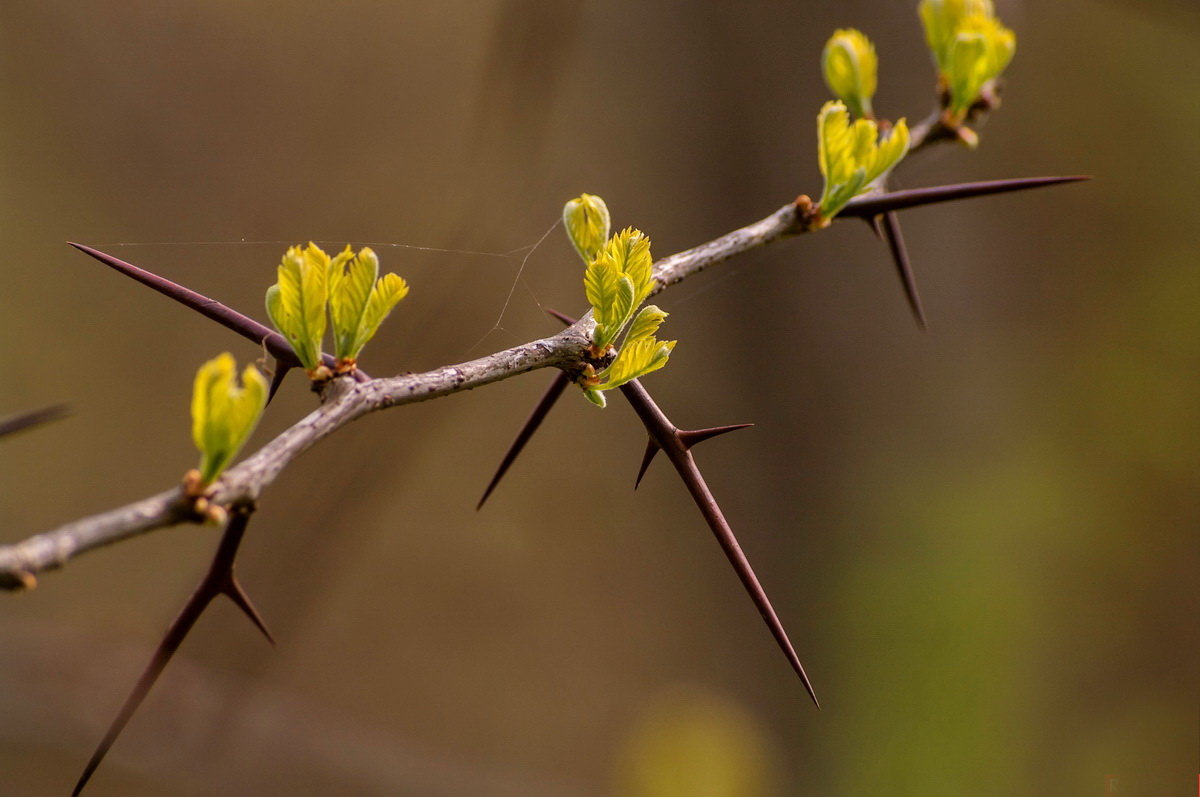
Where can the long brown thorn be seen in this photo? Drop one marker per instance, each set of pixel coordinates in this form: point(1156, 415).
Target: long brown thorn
point(28, 420)
point(873, 205)
point(663, 432)
point(219, 580)
point(224, 315)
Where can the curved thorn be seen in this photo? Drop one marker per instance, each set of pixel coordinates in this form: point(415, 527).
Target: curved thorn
point(663, 432)
point(224, 315)
point(215, 582)
point(281, 369)
point(237, 593)
point(28, 420)
point(874, 223)
point(895, 242)
point(652, 448)
point(873, 205)
point(540, 411)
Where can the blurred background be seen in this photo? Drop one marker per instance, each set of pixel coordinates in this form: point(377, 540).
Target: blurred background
point(982, 539)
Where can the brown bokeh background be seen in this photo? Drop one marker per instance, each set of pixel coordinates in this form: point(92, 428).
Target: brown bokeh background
point(982, 539)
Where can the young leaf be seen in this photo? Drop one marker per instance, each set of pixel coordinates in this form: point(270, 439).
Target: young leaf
point(979, 53)
point(970, 47)
point(224, 413)
point(635, 360)
point(386, 294)
point(601, 285)
point(587, 223)
point(942, 20)
point(296, 303)
point(616, 283)
point(850, 67)
point(645, 324)
point(351, 279)
point(850, 157)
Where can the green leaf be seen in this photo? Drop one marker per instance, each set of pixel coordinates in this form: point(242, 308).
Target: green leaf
point(942, 19)
point(616, 283)
point(601, 285)
point(587, 224)
point(635, 360)
point(386, 294)
point(352, 278)
point(224, 413)
point(850, 157)
point(970, 47)
point(645, 324)
point(296, 303)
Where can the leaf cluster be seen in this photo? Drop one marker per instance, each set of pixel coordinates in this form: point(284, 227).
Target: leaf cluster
point(347, 286)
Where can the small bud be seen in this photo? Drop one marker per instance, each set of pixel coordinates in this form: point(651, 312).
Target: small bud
point(587, 223)
point(850, 67)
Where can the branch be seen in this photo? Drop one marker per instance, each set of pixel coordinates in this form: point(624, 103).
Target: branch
point(346, 400)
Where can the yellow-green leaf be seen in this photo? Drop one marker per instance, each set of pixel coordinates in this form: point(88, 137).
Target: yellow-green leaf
point(616, 283)
point(296, 303)
point(979, 52)
point(386, 294)
point(849, 156)
point(942, 20)
point(635, 360)
point(352, 278)
point(224, 413)
point(645, 324)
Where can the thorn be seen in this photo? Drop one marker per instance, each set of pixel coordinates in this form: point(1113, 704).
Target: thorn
point(895, 242)
point(873, 205)
point(873, 223)
point(695, 436)
point(209, 308)
point(217, 581)
point(28, 420)
point(237, 593)
point(664, 433)
point(652, 448)
point(540, 411)
point(687, 438)
point(281, 369)
point(563, 317)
